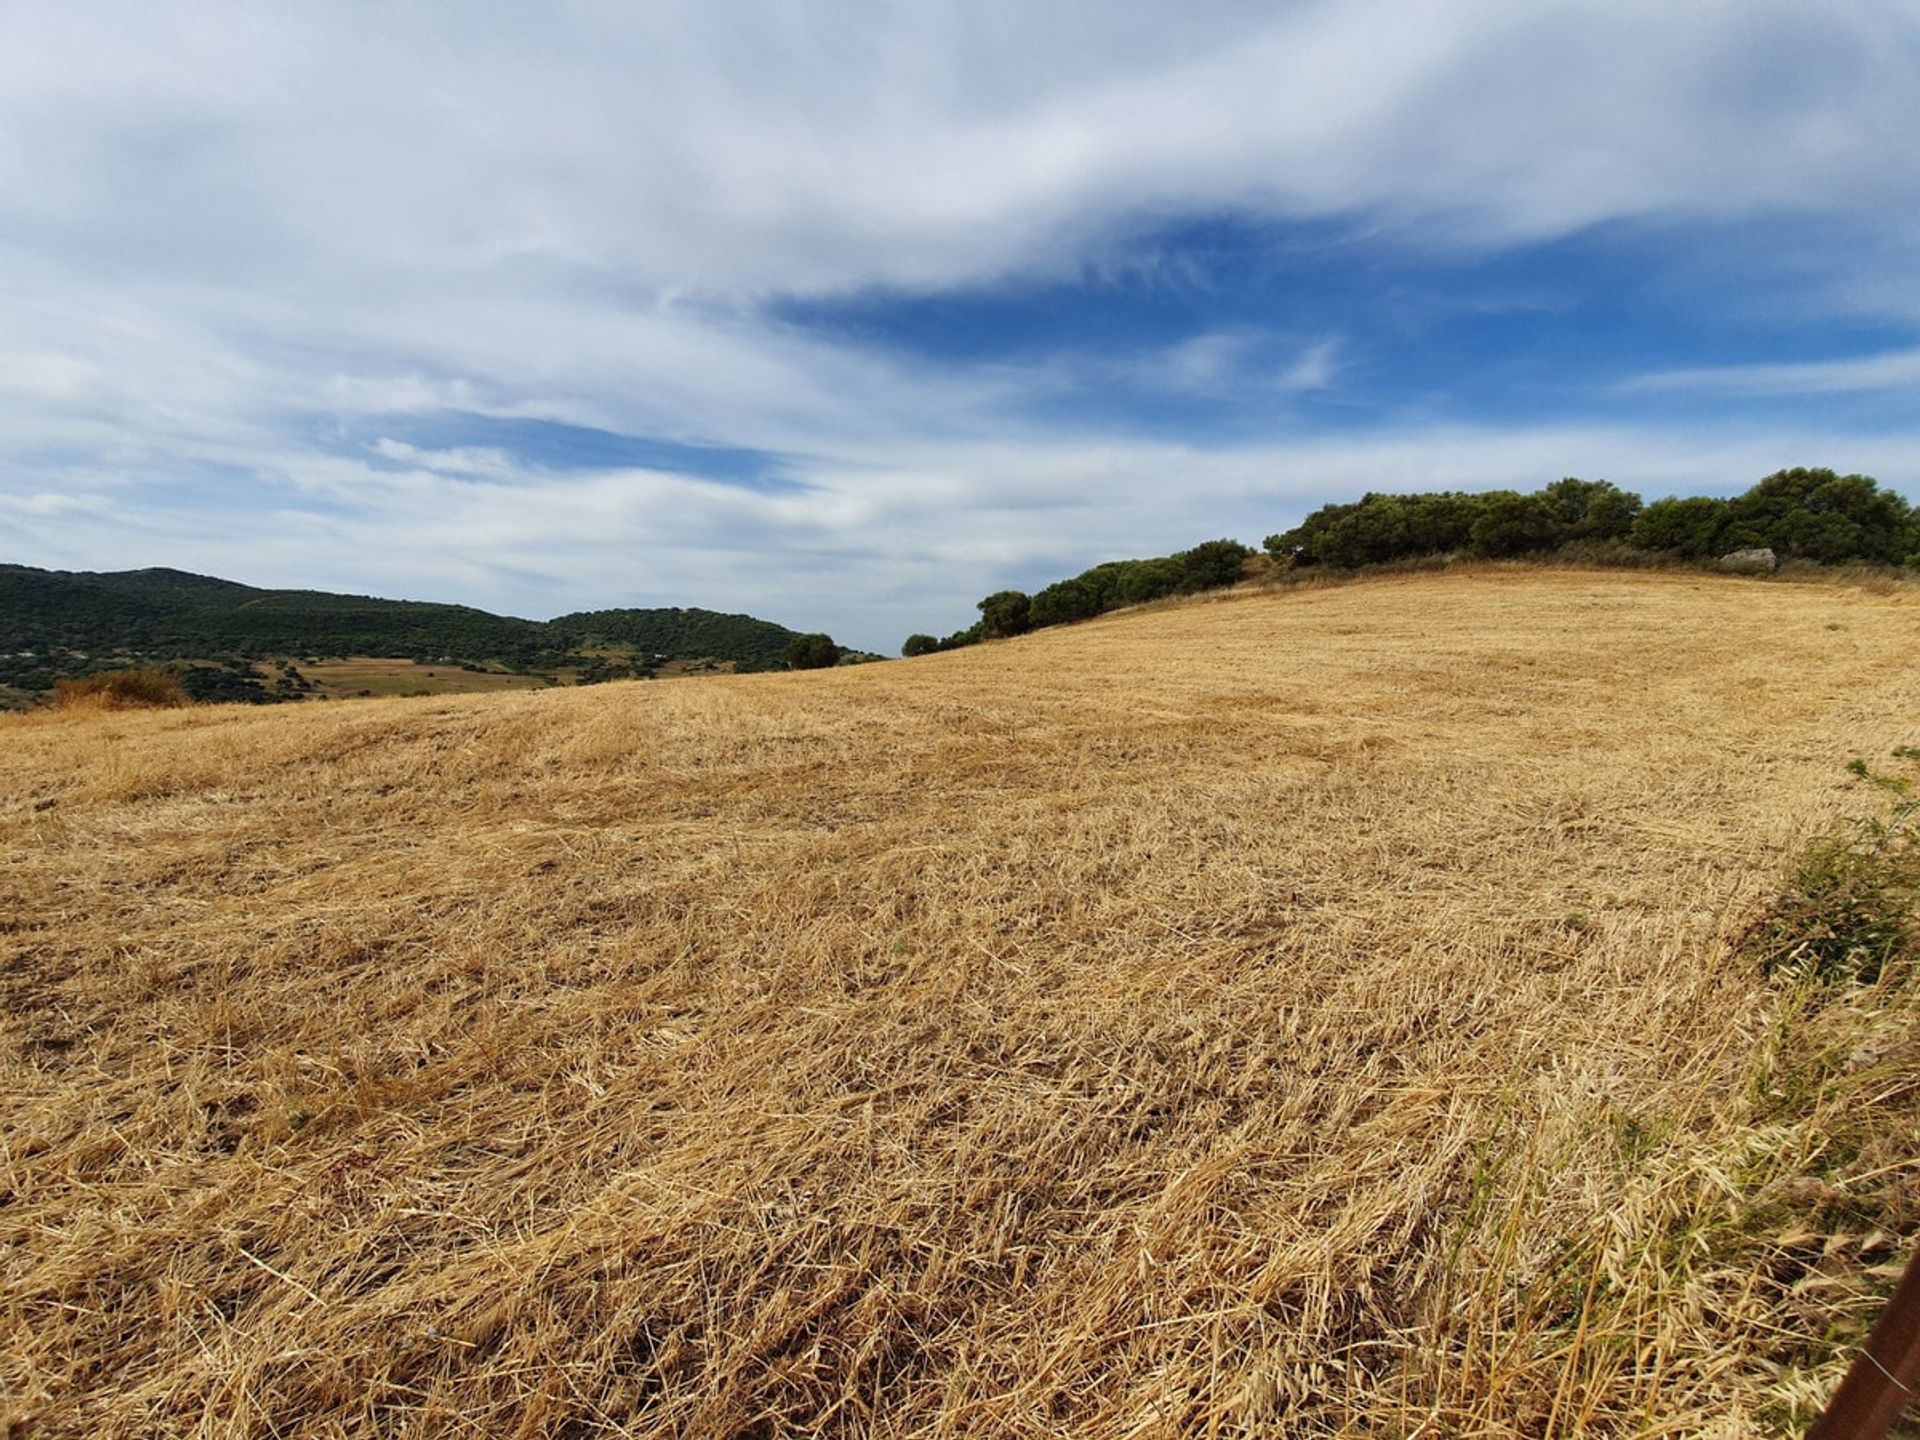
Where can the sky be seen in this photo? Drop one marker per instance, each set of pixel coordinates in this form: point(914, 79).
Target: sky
point(846, 314)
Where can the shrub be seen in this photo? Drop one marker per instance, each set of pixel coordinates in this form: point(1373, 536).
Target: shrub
point(146, 689)
point(919, 645)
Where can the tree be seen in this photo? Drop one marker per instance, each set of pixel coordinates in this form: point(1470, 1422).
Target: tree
point(1304, 544)
point(919, 645)
point(1590, 509)
point(1513, 524)
point(1143, 580)
point(1062, 602)
point(1108, 583)
point(1211, 564)
point(812, 652)
point(1004, 613)
point(1822, 516)
point(1692, 526)
point(959, 639)
point(1380, 528)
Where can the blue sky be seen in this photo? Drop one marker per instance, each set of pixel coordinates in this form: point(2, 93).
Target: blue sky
point(847, 314)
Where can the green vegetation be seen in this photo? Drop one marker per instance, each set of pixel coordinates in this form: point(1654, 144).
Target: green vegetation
point(167, 614)
point(675, 634)
point(1005, 612)
point(1809, 515)
point(812, 652)
point(235, 682)
point(1799, 514)
point(1378, 529)
point(56, 624)
point(1207, 566)
point(1853, 907)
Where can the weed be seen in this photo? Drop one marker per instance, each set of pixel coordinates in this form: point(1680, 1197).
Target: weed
point(1851, 909)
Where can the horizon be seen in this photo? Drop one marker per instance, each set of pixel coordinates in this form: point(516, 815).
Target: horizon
point(846, 317)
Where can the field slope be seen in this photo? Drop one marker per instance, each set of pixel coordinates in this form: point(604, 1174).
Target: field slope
point(1290, 1013)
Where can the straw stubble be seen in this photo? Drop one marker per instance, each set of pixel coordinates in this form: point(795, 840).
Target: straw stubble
point(1219, 1019)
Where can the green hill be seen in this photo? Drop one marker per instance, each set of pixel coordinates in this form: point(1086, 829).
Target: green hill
point(680, 634)
point(55, 622)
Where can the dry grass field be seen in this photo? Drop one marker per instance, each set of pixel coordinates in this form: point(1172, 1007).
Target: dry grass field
point(341, 679)
point(1295, 1013)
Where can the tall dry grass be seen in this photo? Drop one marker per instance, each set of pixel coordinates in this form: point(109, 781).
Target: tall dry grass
point(148, 688)
point(1298, 1014)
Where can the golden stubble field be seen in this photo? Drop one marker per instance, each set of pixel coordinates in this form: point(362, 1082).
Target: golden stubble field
point(1297, 1013)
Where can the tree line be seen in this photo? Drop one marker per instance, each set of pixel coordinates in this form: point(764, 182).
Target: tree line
point(1799, 514)
point(1803, 514)
point(1207, 566)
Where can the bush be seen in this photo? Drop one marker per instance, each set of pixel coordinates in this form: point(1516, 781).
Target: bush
point(812, 652)
point(919, 645)
point(148, 689)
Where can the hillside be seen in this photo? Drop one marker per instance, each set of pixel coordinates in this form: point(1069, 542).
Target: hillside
point(1287, 1013)
point(168, 614)
point(680, 635)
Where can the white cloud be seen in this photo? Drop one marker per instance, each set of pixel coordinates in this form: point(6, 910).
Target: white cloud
point(468, 460)
point(1316, 368)
point(46, 503)
point(241, 241)
point(1893, 370)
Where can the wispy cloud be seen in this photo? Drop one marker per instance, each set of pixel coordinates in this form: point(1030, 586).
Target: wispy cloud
point(468, 460)
point(1896, 370)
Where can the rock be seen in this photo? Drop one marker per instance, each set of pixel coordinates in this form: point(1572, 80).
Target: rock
point(1751, 562)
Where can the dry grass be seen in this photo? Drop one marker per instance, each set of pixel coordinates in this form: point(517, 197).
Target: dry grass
point(148, 689)
point(340, 679)
point(1280, 1014)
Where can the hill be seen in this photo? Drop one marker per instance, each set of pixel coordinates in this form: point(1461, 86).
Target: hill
point(65, 621)
point(1293, 1013)
point(680, 635)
